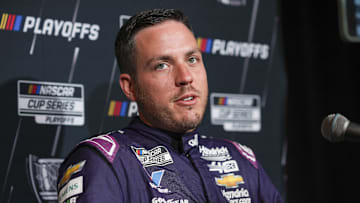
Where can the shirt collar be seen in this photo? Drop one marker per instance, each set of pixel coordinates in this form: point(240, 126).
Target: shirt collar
point(181, 143)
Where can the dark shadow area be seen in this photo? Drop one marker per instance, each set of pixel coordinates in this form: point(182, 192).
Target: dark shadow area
point(323, 78)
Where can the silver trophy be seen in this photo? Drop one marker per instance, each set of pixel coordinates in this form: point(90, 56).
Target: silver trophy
point(43, 173)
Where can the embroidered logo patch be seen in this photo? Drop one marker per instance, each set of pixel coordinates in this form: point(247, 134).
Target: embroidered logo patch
point(214, 154)
point(224, 167)
point(229, 180)
point(157, 156)
point(73, 187)
point(70, 171)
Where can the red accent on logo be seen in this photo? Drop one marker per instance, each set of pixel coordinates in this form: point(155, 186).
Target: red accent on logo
point(203, 44)
point(10, 22)
point(117, 108)
point(34, 88)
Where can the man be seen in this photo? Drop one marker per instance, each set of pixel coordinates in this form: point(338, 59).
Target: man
point(160, 156)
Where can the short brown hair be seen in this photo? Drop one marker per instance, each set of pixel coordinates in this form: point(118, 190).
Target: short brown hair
point(124, 44)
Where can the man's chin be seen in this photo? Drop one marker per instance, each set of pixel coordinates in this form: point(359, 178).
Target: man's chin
point(189, 123)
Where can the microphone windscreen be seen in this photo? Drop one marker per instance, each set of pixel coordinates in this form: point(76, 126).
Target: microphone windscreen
point(333, 127)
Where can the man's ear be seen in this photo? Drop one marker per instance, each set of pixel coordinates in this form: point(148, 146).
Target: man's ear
point(127, 86)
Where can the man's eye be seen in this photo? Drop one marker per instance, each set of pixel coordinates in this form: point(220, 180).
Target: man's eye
point(161, 66)
point(192, 60)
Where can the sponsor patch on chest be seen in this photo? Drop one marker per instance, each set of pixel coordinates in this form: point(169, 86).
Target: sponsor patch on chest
point(73, 187)
point(237, 196)
point(229, 180)
point(157, 156)
point(162, 200)
point(215, 153)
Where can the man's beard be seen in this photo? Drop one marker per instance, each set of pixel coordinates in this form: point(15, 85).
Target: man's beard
point(162, 117)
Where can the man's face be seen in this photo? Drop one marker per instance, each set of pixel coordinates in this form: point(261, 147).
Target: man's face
point(171, 84)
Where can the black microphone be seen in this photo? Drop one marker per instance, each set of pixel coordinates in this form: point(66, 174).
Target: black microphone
point(337, 128)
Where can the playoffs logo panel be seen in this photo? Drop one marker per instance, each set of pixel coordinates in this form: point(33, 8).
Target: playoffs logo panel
point(48, 26)
point(236, 112)
point(51, 103)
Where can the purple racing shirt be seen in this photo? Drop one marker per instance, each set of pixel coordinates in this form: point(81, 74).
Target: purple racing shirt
point(143, 164)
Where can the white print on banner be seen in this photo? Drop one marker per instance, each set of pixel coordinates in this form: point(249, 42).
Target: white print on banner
point(52, 103)
point(233, 2)
point(236, 112)
point(214, 154)
point(49, 26)
point(237, 196)
point(55, 27)
point(157, 156)
point(233, 48)
point(73, 187)
point(224, 167)
point(162, 200)
point(123, 19)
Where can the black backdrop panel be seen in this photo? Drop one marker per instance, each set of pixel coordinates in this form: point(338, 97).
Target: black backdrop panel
point(49, 45)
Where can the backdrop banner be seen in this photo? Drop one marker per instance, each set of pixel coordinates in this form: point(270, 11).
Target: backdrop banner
point(59, 82)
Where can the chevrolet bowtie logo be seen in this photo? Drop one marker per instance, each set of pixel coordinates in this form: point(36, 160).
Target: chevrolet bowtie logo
point(229, 180)
point(71, 170)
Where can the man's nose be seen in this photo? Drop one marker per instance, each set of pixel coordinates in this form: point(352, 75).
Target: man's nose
point(183, 75)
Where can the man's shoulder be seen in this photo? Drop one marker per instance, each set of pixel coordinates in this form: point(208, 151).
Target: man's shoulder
point(109, 144)
point(106, 144)
point(210, 145)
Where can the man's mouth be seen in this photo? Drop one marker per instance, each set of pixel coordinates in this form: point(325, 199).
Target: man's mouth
point(187, 99)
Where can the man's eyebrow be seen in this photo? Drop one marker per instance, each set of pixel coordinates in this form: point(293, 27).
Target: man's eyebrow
point(158, 58)
point(193, 51)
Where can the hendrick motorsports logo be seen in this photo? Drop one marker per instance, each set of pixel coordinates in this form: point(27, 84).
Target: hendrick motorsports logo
point(49, 26)
point(51, 103)
point(214, 154)
point(233, 48)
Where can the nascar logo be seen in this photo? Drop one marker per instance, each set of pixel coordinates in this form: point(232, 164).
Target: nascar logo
point(157, 156)
point(49, 26)
point(221, 101)
point(50, 90)
point(10, 22)
point(122, 108)
point(233, 48)
point(226, 101)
